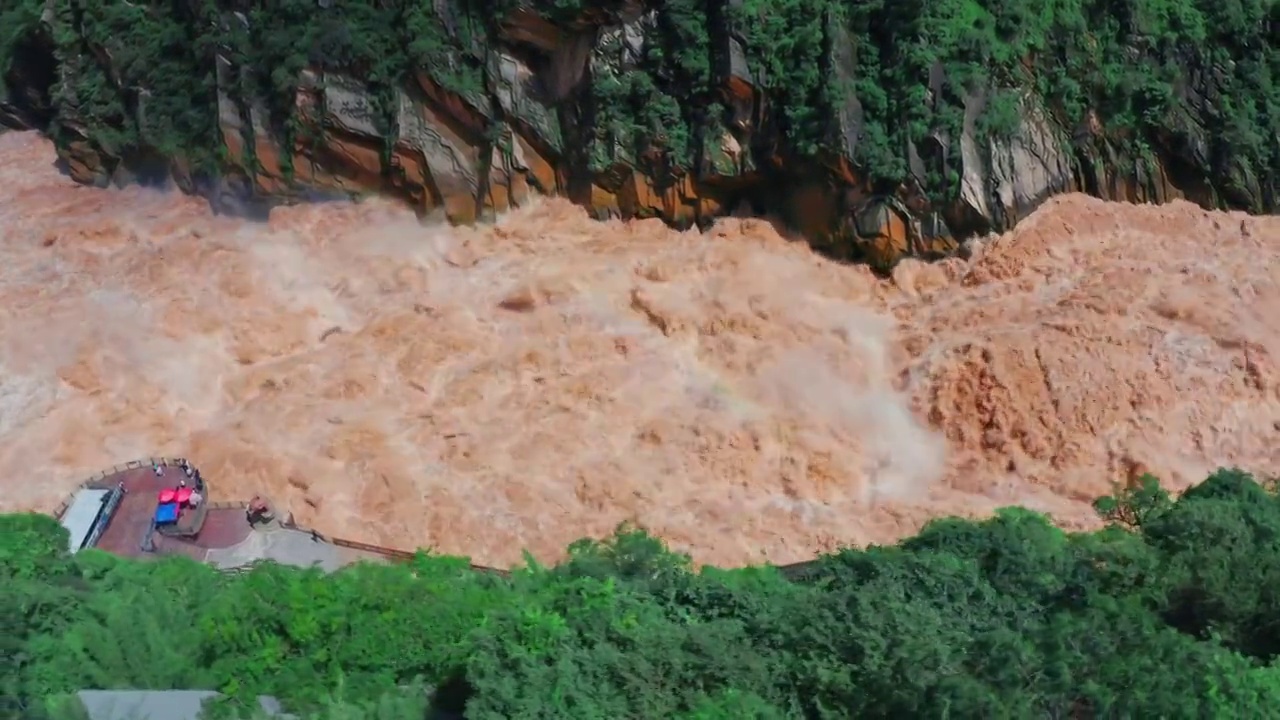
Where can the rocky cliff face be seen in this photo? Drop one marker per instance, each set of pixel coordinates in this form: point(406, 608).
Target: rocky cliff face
point(499, 102)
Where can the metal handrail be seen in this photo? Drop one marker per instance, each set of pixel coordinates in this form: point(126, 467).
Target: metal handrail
point(114, 470)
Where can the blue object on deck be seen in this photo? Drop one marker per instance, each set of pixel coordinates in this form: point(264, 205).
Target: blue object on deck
point(167, 513)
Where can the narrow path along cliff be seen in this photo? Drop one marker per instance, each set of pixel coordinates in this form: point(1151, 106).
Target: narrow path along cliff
point(523, 384)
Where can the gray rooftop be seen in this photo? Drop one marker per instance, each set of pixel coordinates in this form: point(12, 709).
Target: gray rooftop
point(156, 704)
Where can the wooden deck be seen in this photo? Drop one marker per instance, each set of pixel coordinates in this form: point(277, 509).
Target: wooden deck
point(224, 538)
point(217, 533)
point(224, 523)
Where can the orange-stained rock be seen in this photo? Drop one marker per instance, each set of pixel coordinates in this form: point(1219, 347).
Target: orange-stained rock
point(524, 25)
point(538, 167)
point(84, 164)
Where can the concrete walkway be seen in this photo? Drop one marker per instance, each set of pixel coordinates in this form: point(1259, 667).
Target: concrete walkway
point(287, 547)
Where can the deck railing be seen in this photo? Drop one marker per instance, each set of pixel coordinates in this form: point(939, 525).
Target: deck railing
point(114, 470)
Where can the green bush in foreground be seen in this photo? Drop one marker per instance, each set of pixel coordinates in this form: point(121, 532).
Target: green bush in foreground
point(1171, 611)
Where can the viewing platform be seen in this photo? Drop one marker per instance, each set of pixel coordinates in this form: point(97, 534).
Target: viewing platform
point(118, 511)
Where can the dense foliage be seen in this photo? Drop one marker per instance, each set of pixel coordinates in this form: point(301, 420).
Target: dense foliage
point(1195, 79)
point(1171, 611)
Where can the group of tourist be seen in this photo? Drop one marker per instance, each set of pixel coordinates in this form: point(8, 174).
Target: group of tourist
point(190, 497)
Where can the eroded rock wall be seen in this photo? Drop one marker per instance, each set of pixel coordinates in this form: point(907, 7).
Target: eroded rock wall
point(538, 121)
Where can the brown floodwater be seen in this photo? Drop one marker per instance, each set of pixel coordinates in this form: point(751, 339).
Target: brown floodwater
point(528, 383)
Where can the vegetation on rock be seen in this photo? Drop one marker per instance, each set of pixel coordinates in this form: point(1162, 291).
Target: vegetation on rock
point(1130, 86)
point(1168, 612)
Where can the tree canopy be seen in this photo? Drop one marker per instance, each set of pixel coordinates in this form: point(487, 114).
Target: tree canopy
point(1172, 610)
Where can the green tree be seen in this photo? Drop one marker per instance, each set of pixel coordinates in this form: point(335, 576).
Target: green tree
point(1170, 611)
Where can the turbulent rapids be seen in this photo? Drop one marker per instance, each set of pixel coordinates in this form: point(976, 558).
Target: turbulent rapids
point(525, 384)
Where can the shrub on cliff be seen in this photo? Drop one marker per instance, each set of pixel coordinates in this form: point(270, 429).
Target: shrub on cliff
point(1168, 612)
